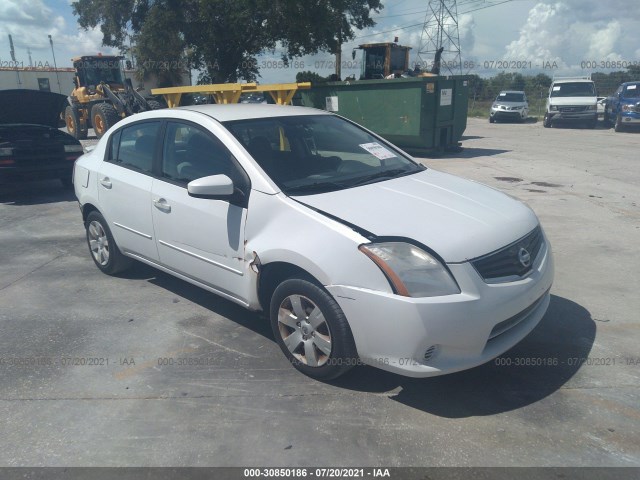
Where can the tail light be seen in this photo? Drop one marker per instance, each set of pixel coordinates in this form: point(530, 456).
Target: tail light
point(5, 154)
point(72, 152)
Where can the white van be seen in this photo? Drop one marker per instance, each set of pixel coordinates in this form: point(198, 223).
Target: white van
point(572, 99)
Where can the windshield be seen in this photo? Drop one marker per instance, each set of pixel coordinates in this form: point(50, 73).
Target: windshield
point(510, 97)
point(573, 89)
point(96, 71)
point(319, 153)
point(632, 91)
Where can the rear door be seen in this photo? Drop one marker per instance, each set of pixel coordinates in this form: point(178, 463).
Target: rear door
point(124, 187)
point(199, 237)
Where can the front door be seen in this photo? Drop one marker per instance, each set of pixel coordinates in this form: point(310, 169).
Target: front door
point(198, 237)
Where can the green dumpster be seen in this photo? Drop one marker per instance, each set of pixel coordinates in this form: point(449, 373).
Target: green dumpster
point(422, 115)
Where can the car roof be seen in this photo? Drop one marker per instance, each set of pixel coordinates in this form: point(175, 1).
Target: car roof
point(573, 80)
point(245, 111)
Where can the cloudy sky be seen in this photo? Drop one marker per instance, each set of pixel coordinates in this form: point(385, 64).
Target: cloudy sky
point(567, 37)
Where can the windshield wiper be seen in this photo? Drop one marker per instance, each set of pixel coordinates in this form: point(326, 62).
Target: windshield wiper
point(316, 187)
point(393, 173)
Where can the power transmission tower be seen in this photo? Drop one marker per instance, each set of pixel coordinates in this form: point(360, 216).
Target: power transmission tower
point(440, 31)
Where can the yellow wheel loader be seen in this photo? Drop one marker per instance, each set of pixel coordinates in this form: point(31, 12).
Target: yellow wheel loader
point(102, 96)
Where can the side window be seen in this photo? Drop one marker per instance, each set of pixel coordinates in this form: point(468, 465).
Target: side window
point(134, 146)
point(191, 153)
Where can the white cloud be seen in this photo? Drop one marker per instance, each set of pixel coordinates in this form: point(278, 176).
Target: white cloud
point(31, 21)
point(572, 32)
point(603, 42)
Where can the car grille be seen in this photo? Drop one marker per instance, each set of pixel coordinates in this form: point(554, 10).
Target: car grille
point(571, 109)
point(505, 264)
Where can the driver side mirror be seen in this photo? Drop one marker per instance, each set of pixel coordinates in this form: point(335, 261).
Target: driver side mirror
point(217, 187)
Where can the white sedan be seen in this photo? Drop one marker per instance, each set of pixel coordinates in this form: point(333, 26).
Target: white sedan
point(355, 251)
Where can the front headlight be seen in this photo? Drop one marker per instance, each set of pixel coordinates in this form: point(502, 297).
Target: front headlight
point(553, 107)
point(592, 107)
point(73, 148)
point(627, 108)
point(411, 271)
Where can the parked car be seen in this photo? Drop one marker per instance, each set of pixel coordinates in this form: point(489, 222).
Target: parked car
point(31, 145)
point(354, 250)
point(509, 105)
point(571, 100)
point(623, 107)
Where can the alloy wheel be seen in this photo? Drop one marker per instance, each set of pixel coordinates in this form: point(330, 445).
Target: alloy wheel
point(99, 243)
point(304, 330)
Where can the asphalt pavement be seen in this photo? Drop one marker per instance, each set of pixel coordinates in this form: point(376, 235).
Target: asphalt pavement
point(147, 370)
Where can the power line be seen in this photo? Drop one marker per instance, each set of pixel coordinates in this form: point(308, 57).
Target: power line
point(413, 25)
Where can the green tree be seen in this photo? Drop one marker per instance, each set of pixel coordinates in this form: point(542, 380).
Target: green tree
point(159, 48)
point(224, 37)
point(309, 76)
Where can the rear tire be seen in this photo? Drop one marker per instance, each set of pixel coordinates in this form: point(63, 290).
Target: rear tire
point(104, 251)
point(75, 127)
point(312, 330)
point(103, 117)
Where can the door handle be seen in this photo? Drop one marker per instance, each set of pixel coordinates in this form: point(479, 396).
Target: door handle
point(105, 182)
point(161, 204)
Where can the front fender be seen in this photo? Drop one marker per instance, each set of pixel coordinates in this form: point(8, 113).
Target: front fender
point(279, 229)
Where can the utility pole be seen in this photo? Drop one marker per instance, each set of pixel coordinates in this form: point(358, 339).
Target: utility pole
point(440, 31)
point(55, 66)
point(339, 49)
point(13, 58)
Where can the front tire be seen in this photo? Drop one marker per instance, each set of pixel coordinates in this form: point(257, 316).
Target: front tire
point(104, 251)
point(546, 122)
point(75, 126)
point(618, 125)
point(312, 330)
point(103, 117)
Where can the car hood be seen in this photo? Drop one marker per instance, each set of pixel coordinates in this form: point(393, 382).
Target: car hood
point(31, 106)
point(510, 104)
point(573, 100)
point(458, 219)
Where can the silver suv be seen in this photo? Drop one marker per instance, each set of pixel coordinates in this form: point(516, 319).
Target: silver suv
point(509, 105)
point(572, 99)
